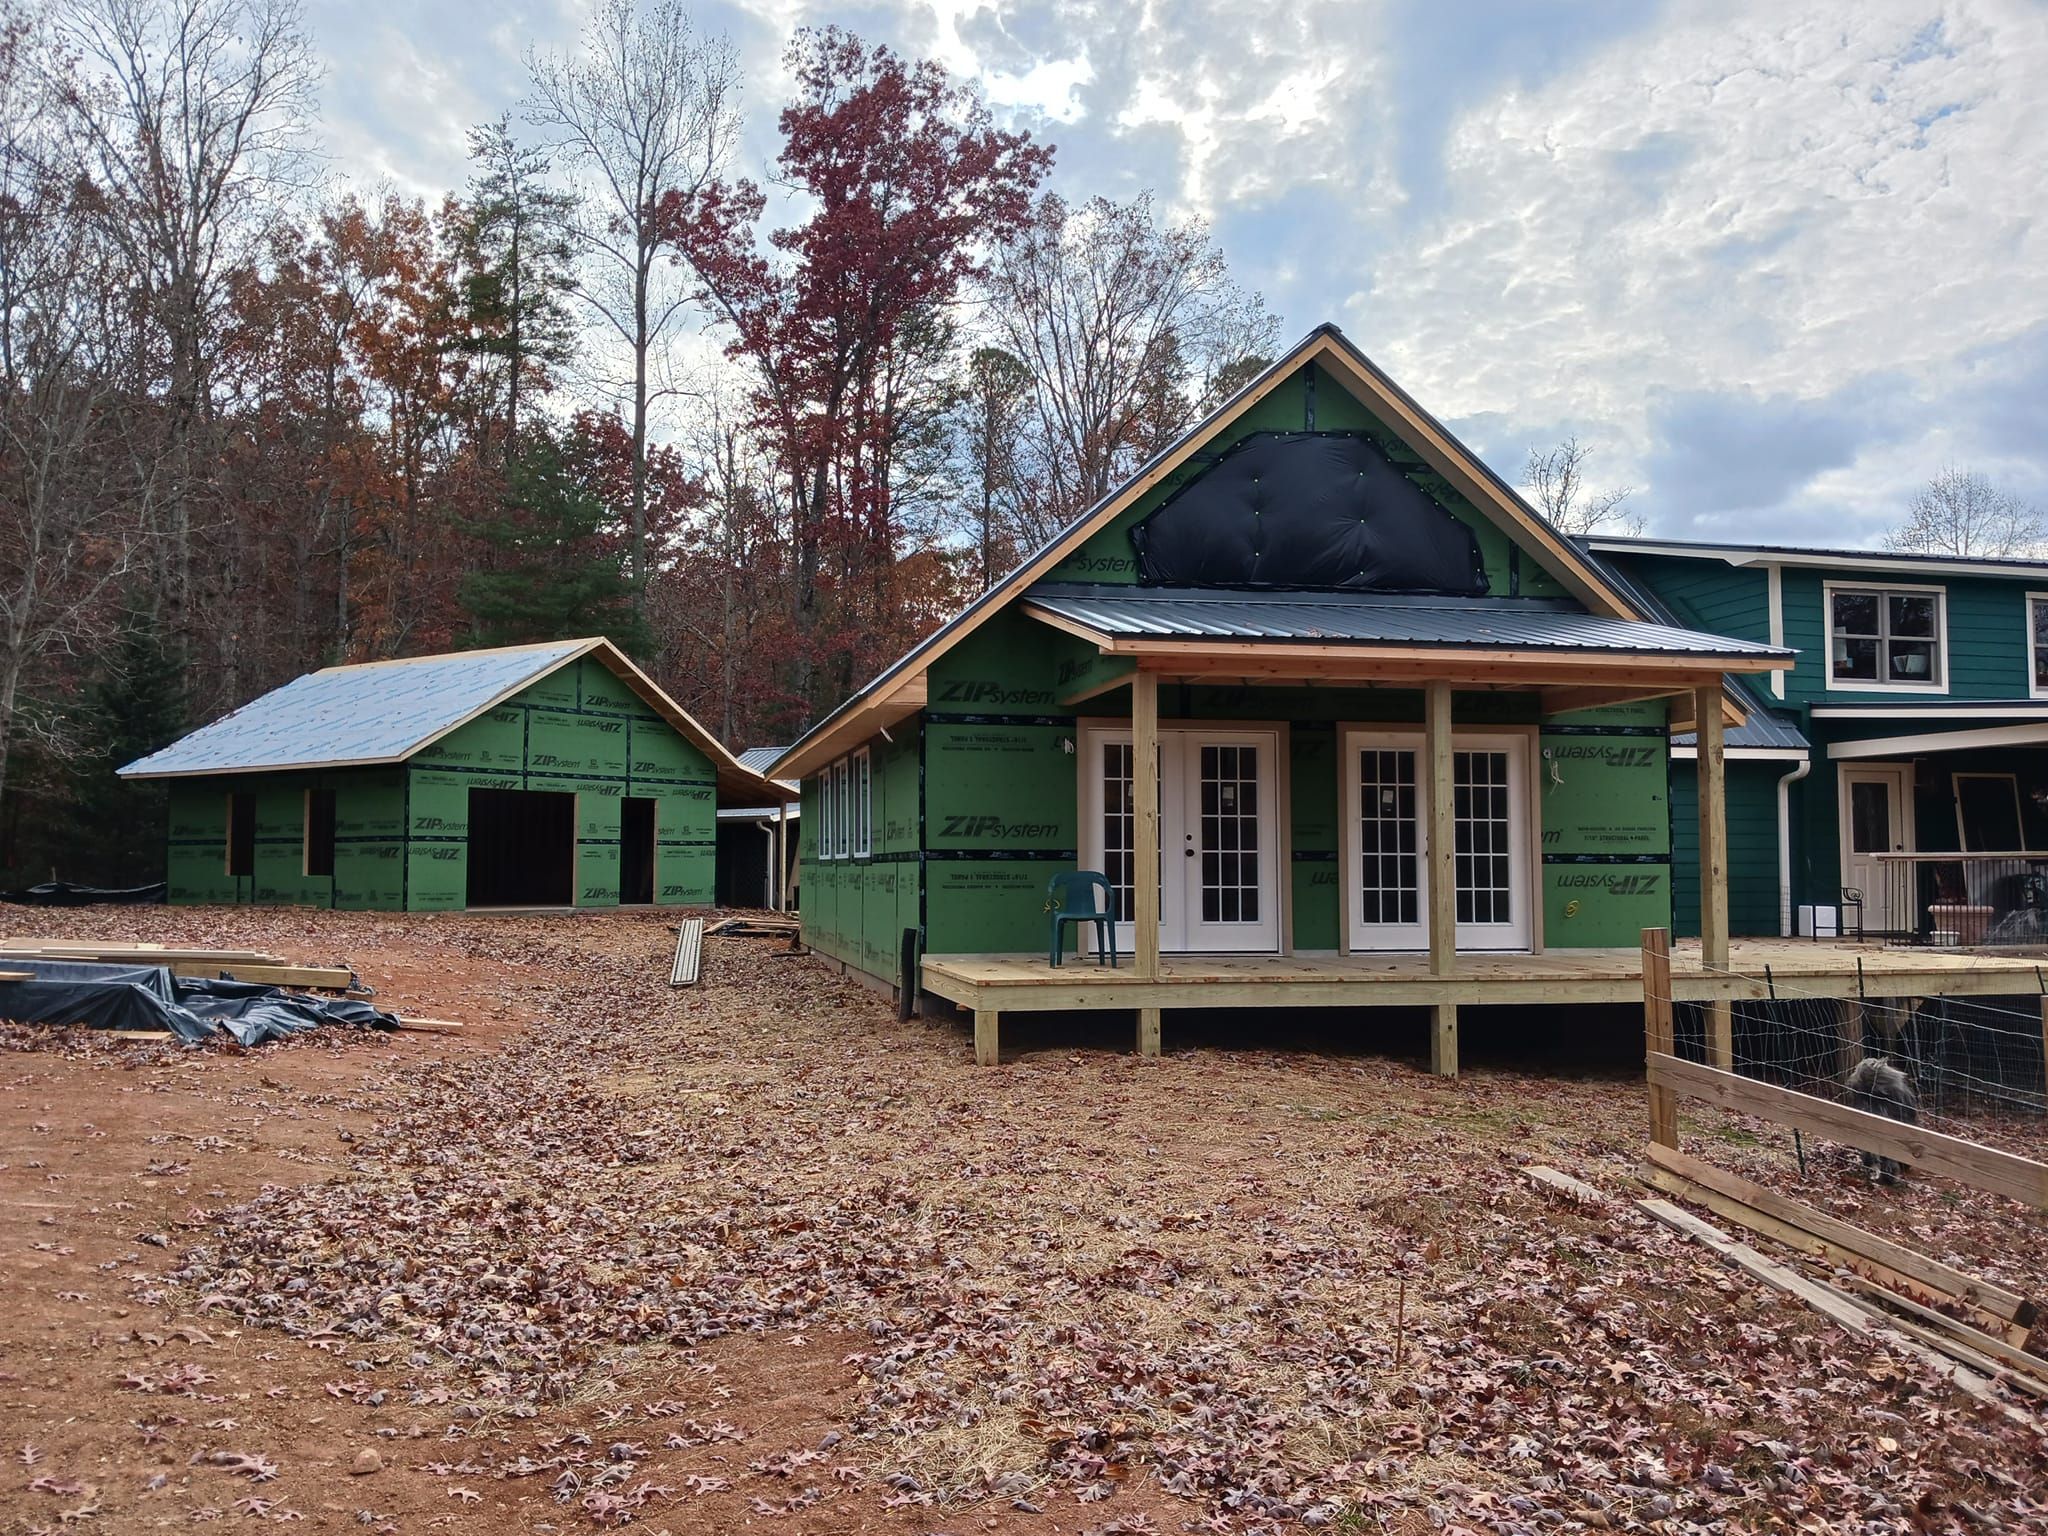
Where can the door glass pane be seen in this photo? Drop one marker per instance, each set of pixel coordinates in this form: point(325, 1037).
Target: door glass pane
point(1119, 827)
point(1483, 853)
point(1870, 816)
point(1387, 837)
point(1229, 801)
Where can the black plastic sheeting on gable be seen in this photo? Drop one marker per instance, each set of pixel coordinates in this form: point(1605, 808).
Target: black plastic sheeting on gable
point(107, 996)
point(1309, 510)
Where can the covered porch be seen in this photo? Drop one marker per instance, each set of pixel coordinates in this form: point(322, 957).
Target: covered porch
point(1431, 937)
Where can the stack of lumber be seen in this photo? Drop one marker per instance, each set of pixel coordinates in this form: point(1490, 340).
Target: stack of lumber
point(1974, 1330)
point(754, 928)
point(233, 964)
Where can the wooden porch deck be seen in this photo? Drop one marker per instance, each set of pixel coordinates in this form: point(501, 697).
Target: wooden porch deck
point(1026, 983)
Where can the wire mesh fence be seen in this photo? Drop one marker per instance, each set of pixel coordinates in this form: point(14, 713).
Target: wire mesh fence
point(1975, 1065)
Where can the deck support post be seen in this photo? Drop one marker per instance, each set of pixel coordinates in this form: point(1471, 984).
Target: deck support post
point(1657, 1037)
point(1145, 871)
point(1443, 874)
point(986, 1046)
point(1709, 731)
point(778, 898)
point(1148, 1031)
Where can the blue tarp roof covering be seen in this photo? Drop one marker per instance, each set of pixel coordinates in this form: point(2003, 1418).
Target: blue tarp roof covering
point(1170, 613)
point(379, 712)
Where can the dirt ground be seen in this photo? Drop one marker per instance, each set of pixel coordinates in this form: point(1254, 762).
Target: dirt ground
point(756, 1255)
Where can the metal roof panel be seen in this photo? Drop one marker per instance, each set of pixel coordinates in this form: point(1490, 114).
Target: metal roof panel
point(1370, 618)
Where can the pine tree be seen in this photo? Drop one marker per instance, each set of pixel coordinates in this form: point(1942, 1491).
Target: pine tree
point(136, 705)
point(557, 570)
point(511, 237)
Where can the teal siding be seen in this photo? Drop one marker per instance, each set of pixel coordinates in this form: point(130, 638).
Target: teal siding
point(1752, 849)
point(1720, 599)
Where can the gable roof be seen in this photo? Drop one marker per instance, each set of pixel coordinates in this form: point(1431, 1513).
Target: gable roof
point(1891, 560)
point(897, 691)
point(383, 712)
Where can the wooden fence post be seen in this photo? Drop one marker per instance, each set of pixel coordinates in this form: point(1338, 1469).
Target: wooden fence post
point(1849, 1034)
point(2044, 1043)
point(1657, 1032)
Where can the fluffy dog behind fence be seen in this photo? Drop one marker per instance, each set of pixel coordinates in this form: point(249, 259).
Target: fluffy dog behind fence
point(1880, 1088)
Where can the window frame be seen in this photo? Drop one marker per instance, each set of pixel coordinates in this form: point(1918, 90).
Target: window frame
point(2019, 809)
point(1883, 590)
point(2035, 688)
point(842, 837)
point(861, 772)
point(825, 817)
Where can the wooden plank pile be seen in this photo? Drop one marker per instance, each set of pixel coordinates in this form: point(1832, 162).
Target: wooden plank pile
point(689, 960)
point(229, 964)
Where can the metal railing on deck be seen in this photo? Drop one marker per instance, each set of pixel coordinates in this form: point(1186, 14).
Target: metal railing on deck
point(1954, 900)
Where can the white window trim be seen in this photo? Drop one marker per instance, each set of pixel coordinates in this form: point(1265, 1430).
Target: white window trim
point(1854, 685)
point(863, 776)
point(827, 822)
point(2034, 689)
point(842, 837)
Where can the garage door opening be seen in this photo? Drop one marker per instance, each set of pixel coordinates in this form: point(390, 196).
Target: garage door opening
point(636, 852)
point(522, 848)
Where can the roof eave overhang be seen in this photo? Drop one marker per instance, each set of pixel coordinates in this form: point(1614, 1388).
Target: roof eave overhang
point(1746, 557)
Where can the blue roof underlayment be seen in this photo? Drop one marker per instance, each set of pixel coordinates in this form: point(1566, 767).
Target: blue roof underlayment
point(379, 712)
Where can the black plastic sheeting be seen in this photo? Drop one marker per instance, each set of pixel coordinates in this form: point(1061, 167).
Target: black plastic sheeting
point(62, 893)
point(1322, 510)
point(105, 996)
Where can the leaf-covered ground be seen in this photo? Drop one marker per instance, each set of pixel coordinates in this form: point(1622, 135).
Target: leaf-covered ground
point(758, 1253)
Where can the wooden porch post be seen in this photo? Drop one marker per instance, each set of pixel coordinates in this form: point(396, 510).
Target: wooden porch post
point(1443, 875)
point(1657, 1038)
point(778, 898)
point(1713, 790)
point(1145, 815)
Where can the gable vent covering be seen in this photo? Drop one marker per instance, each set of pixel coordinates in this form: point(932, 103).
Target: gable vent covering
point(1310, 510)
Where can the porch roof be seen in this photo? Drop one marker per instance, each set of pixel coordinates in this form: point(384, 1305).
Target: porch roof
point(1365, 618)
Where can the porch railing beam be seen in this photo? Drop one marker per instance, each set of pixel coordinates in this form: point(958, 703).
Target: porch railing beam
point(1145, 815)
point(1443, 874)
point(1713, 791)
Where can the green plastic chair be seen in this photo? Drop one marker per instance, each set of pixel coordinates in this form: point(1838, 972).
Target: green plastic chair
point(1064, 893)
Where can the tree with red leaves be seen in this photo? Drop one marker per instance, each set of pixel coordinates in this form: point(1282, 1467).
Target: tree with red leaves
point(846, 325)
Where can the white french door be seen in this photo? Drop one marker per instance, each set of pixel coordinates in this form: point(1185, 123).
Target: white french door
point(1218, 835)
point(1386, 817)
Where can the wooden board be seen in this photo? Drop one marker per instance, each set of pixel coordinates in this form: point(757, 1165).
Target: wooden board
point(1823, 1235)
point(17, 975)
point(319, 978)
point(1982, 1167)
point(144, 954)
point(1831, 1303)
point(689, 953)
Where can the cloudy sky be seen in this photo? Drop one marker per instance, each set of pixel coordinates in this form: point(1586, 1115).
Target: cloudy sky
point(1777, 262)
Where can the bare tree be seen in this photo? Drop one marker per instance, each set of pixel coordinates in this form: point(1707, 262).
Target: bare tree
point(992, 398)
point(1960, 512)
point(1126, 324)
point(647, 108)
point(68, 518)
point(195, 116)
point(1557, 481)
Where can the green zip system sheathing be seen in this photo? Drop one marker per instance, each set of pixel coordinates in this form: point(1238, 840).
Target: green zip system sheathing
point(402, 832)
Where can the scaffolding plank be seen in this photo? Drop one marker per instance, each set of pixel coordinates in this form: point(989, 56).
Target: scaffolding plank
point(689, 953)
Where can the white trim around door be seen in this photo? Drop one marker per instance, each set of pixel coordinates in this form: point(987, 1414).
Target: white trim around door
point(1385, 827)
point(1220, 837)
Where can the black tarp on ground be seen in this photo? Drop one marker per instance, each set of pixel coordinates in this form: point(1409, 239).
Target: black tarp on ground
point(62, 893)
point(107, 996)
point(1308, 510)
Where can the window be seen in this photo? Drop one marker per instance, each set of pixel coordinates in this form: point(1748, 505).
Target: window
point(862, 825)
point(2037, 643)
point(842, 812)
point(1887, 637)
point(1988, 813)
point(241, 833)
point(825, 817)
point(319, 832)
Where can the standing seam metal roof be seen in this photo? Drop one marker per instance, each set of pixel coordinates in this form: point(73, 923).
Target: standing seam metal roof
point(1367, 618)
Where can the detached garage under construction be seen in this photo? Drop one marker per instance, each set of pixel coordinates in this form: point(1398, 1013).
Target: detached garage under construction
point(549, 775)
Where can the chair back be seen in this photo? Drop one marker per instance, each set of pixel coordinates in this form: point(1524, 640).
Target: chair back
point(1064, 886)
